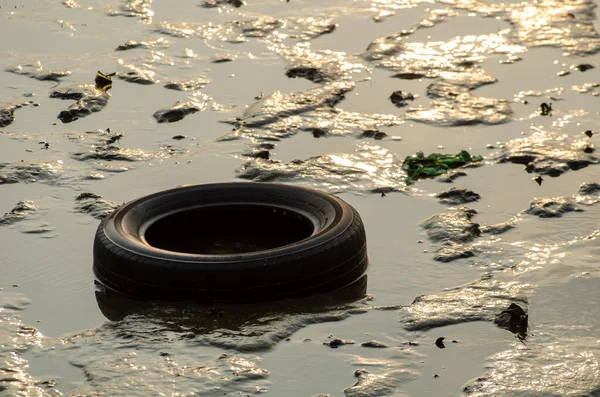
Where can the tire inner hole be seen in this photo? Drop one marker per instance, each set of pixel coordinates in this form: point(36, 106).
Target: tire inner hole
point(231, 229)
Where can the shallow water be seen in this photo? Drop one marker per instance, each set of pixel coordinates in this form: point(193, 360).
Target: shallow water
point(284, 92)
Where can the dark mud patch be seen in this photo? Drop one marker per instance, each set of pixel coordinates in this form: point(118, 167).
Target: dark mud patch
point(455, 226)
point(481, 300)
point(223, 58)
point(456, 196)
point(277, 108)
point(568, 27)
point(134, 74)
point(150, 44)
point(38, 72)
point(556, 207)
point(141, 9)
point(187, 85)
point(96, 206)
point(104, 149)
point(456, 65)
point(457, 58)
point(588, 193)
point(408, 76)
point(369, 384)
point(305, 29)
point(548, 153)
point(375, 134)
point(552, 207)
point(21, 211)
point(113, 153)
point(7, 113)
point(451, 176)
point(28, 172)
point(258, 154)
point(513, 371)
point(14, 377)
point(560, 355)
point(177, 112)
point(453, 231)
point(259, 27)
point(278, 116)
point(374, 344)
point(463, 109)
point(370, 167)
point(310, 73)
point(497, 228)
point(217, 3)
point(320, 66)
point(89, 100)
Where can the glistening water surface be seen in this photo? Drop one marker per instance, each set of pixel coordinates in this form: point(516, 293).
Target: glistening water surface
point(331, 95)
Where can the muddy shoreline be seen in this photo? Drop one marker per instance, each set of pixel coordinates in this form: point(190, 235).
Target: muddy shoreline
point(331, 96)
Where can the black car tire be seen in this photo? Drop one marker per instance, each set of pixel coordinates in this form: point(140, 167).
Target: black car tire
point(276, 241)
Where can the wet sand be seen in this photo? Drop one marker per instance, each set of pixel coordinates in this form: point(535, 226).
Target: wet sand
point(304, 82)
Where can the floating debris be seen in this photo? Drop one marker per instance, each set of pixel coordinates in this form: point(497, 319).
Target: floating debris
point(400, 98)
point(439, 342)
point(513, 319)
point(583, 67)
point(103, 81)
point(546, 109)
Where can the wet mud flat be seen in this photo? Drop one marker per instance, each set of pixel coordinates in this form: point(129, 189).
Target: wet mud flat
point(483, 274)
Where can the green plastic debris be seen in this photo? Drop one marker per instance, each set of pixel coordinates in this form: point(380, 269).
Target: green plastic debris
point(419, 166)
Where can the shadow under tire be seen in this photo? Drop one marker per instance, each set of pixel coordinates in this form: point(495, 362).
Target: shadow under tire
point(231, 242)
